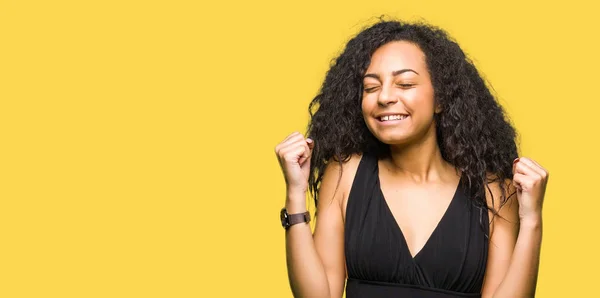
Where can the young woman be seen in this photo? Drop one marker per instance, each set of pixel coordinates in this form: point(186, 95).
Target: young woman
point(416, 177)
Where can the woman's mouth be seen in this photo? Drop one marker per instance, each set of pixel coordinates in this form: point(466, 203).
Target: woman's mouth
point(392, 117)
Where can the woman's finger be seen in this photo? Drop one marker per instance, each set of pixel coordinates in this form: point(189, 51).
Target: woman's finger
point(291, 142)
point(285, 141)
point(293, 153)
point(520, 181)
point(295, 143)
point(310, 142)
point(544, 171)
point(532, 165)
point(523, 168)
point(305, 154)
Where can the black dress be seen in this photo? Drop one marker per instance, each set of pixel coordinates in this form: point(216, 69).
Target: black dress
point(451, 264)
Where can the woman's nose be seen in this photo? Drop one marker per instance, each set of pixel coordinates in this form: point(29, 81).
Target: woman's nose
point(386, 96)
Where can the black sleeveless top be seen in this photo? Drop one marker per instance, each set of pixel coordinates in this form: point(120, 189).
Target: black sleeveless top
point(379, 264)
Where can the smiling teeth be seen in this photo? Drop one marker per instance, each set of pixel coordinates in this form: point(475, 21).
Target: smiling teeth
point(392, 117)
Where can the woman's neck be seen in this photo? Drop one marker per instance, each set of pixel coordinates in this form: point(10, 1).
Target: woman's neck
point(421, 162)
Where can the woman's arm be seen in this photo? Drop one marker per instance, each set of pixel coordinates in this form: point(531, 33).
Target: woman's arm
point(521, 278)
point(316, 264)
point(516, 235)
point(316, 268)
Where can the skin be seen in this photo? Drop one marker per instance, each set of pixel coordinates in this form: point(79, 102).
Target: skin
point(398, 82)
point(416, 182)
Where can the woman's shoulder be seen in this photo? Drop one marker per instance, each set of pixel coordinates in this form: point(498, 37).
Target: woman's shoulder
point(501, 198)
point(498, 192)
point(351, 161)
point(339, 176)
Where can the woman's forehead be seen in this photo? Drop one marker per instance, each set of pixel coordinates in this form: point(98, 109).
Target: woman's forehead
point(397, 55)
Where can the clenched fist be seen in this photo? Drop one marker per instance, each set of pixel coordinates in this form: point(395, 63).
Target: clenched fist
point(294, 154)
point(530, 180)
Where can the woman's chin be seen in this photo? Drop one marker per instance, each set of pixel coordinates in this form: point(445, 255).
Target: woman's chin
point(393, 140)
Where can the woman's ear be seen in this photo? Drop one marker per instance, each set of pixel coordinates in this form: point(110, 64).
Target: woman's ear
point(438, 108)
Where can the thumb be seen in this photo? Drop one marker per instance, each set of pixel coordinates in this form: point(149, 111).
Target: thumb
point(306, 158)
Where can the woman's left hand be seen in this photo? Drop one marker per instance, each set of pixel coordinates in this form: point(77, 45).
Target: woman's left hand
point(530, 180)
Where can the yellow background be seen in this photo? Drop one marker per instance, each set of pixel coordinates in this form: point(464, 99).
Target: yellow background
point(137, 137)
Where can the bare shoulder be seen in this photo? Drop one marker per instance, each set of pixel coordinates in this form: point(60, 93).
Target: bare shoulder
point(502, 197)
point(337, 181)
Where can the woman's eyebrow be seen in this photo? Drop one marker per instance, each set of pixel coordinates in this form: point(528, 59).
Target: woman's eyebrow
point(397, 72)
point(394, 73)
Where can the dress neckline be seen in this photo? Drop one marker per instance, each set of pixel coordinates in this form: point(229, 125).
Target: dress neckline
point(389, 212)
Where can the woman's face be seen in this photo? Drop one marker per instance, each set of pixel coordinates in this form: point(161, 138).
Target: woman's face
point(398, 104)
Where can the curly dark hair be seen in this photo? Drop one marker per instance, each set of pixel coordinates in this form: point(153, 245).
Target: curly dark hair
point(473, 132)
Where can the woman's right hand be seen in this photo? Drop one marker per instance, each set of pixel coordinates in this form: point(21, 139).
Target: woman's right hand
point(294, 154)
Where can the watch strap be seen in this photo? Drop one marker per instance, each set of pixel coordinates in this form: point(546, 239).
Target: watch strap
point(298, 218)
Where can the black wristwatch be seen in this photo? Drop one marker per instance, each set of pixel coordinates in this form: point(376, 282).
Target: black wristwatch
point(287, 220)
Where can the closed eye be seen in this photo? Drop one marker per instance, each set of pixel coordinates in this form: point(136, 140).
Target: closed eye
point(369, 90)
point(405, 85)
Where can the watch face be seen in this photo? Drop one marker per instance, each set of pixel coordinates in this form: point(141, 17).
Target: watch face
point(284, 218)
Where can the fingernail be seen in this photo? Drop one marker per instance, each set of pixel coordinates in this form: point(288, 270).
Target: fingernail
point(309, 140)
